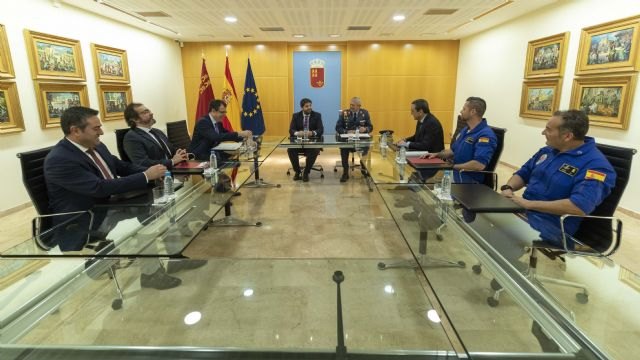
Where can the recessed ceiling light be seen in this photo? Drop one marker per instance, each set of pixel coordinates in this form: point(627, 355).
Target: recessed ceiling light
point(334, 35)
point(230, 19)
point(398, 17)
point(298, 35)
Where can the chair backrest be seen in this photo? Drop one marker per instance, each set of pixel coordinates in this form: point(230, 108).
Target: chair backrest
point(595, 232)
point(491, 166)
point(120, 133)
point(178, 134)
point(32, 165)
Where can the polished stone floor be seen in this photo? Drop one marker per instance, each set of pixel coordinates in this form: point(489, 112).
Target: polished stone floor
point(270, 287)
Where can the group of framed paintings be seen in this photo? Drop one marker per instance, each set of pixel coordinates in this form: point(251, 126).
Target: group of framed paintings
point(58, 71)
point(606, 72)
point(59, 78)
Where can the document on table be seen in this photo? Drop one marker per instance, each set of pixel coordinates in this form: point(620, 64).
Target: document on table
point(228, 146)
point(416, 153)
point(345, 136)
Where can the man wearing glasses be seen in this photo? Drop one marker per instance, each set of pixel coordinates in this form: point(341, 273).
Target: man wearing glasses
point(209, 131)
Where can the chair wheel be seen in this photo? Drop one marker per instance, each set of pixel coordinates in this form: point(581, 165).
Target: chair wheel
point(205, 227)
point(492, 302)
point(335, 169)
point(582, 298)
point(278, 185)
point(116, 304)
point(259, 223)
point(381, 266)
point(288, 173)
point(477, 269)
point(439, 237)
point(462, 263)
point(495, 286)
point(322, 176)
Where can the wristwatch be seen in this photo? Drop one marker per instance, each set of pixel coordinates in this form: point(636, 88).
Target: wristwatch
point(506, 187)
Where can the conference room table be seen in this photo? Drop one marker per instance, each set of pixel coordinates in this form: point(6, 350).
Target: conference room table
point(429, 309)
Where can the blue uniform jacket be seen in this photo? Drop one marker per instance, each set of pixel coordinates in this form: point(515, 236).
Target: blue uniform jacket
point(583, 175)
point(478, 144)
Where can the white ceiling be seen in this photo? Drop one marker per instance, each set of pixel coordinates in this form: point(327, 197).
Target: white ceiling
point(203, 20)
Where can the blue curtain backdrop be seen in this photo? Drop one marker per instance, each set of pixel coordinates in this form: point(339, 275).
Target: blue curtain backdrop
point(326, 100)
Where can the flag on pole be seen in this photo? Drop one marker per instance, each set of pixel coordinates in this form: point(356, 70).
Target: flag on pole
point(206, 93)
point(232, 120)
point(252, 118)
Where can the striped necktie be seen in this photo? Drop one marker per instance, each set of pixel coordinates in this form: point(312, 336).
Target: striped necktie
point(103, 169)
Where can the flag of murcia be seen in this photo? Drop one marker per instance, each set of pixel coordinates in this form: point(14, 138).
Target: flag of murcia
point(316, 70)
point(595, 175)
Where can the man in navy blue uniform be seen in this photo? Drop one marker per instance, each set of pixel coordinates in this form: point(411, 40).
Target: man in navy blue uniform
point(568, 176)
point(348, 121)
point(474, 146)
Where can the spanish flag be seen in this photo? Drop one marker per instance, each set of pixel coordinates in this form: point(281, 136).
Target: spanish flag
point(483, 140)
point(232, 120)
point(595, 175)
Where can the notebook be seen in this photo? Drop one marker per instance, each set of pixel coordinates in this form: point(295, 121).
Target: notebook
point(480, 198)
point(419, 163)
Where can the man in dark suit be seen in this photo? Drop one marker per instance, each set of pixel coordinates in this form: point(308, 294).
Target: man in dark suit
point(305, 123)
point(429, 135)
point(209, 132)
point(348, 121)
point(146, 145)
point(81, 172)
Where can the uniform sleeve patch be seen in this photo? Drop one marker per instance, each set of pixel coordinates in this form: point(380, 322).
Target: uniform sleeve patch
point(568, 169)
point(595, 175)
point(483, 139)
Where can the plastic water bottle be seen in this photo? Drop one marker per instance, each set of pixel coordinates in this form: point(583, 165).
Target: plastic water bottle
point(213, 161)
point(168, 186)
point(383, 141)
point(306, 132)
point(402, 159)
point(357, 134)
point(446, 184)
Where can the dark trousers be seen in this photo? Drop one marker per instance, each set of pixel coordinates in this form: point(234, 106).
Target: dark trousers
point(310, 154)
point(344, 155)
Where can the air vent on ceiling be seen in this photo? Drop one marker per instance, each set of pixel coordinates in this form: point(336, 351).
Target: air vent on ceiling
point(440, 11)
point(273, 28)
point(153, 13)
point(247, 36)
point(358, 27)
point(386, 34)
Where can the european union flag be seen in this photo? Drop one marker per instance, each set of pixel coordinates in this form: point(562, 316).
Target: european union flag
point(252, 118)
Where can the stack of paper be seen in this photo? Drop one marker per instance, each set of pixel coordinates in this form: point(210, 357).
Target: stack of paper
point(228, 146)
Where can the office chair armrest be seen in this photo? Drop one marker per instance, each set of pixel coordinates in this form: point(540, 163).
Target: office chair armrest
point(615, 244)
point(36, 226)
point(494, 174)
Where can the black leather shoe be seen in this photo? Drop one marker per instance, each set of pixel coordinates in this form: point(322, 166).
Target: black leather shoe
point(159, 280)
point(187, 264)
point(344, 177)
point(297, 177)
point(305, 177)
point(237, 193)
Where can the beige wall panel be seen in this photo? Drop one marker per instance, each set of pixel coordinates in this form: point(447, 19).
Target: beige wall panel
point(396, 93)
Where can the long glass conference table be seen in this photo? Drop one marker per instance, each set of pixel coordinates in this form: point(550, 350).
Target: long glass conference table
point(428, 305)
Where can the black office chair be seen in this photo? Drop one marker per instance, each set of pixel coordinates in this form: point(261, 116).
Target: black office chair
point(596, 230)
point(178, 134)
point(120, 133)
point(316, 167)
point(32, 165)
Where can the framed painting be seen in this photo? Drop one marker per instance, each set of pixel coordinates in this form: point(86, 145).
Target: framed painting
point(6, 66)
point(546, 56)
point(113, 100)
point(540, 98)
point(10, 111)
point(54, 57)
point(609, 47)
point(110, 64)
point(606, 99)
point(54, 98)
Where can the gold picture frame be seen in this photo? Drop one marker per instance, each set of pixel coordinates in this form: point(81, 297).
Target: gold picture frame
point(110, 64)
point(606, 99)
point(113, 100)
point(53, 98)
point(53, 57)
point(6, 65)
point(540, 98)
point(10, 112)
point(546, 56)
point(609, 47)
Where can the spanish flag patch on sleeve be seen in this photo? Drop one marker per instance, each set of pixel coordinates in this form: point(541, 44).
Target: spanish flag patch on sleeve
point(595, 175)
point(483, 140)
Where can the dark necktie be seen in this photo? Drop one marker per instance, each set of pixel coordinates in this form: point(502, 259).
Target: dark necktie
point(164, 146)
point(103, 169)
point(305, 122)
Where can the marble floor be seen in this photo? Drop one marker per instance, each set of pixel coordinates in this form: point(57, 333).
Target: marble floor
point(270, 287)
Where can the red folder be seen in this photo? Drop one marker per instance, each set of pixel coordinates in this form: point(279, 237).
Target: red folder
point(416, 160)
point(188, 165)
